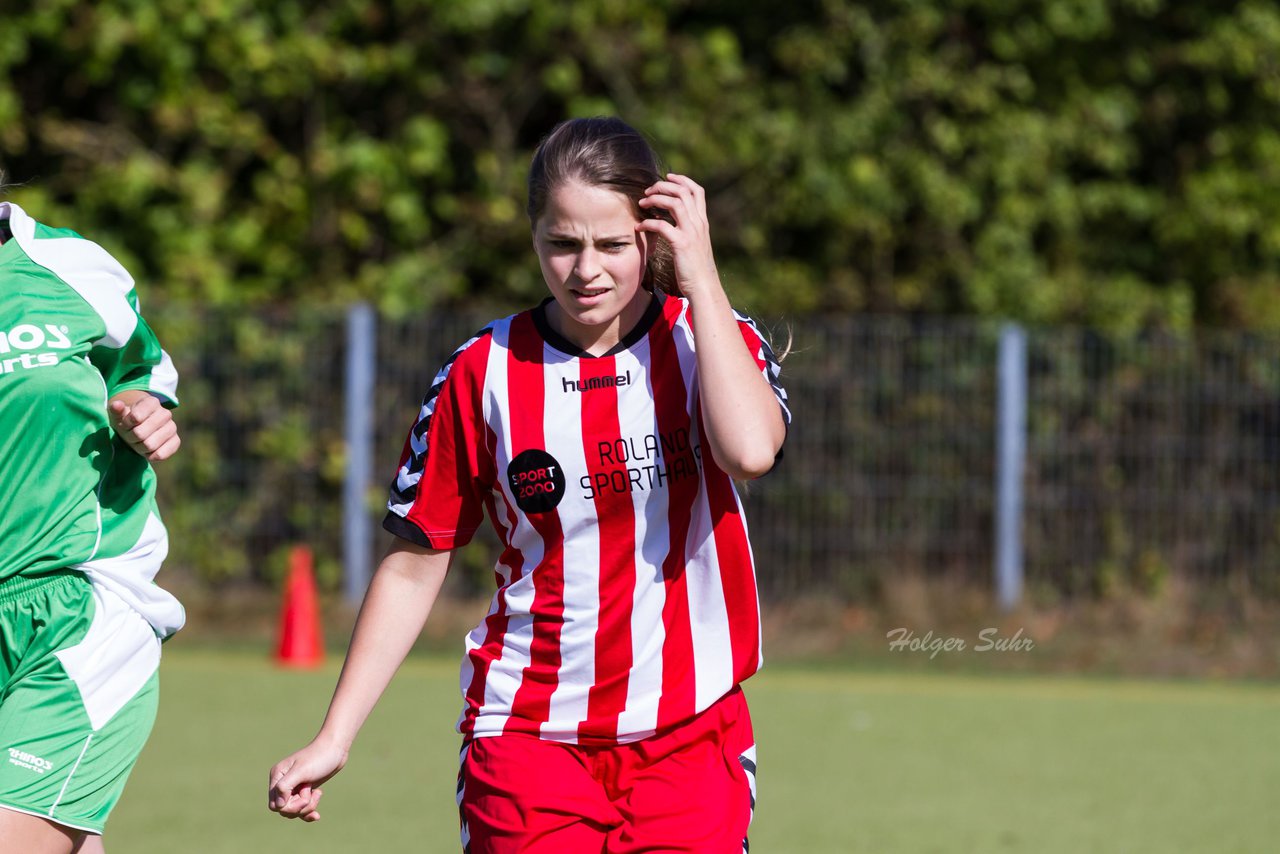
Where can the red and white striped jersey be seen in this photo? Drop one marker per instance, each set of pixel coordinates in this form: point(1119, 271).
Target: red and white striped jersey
point(626, 598)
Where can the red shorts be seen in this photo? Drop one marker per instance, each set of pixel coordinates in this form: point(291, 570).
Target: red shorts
point(691, 789)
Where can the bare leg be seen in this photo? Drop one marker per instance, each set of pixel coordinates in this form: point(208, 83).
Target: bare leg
point(33, 835)
point(90, 843)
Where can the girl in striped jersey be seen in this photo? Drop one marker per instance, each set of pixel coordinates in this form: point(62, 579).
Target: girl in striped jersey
point(601, 433)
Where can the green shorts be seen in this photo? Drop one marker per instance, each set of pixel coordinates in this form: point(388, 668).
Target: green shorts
point(78, 694)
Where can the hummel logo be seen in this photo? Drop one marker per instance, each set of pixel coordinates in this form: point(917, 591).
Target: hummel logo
point(568, 385)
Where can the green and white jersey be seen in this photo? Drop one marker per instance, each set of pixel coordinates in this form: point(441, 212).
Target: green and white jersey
point(75, 495)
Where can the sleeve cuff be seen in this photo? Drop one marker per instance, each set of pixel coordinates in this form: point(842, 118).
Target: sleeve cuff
point(144, 384)
point(406, 530)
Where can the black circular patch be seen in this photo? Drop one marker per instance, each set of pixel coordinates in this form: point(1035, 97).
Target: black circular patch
point(536, 480)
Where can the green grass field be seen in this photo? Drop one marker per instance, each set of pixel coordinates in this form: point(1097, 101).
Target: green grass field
point(849, 762)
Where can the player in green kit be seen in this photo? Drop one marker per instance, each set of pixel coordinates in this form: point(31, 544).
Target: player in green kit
point(85, 393)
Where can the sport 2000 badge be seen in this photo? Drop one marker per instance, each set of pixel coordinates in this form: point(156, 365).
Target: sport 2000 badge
point(537, 481)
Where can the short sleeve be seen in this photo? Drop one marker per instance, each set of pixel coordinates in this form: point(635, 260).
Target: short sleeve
point(128, 354)
point(766, 361)
point(139, 363)
point(437, 497)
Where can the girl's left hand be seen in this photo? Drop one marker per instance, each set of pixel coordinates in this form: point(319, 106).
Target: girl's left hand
point(689, 234)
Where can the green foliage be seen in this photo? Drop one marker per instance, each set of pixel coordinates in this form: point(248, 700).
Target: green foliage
point(1149, 456)
point(1109, 162)
point(261, 465)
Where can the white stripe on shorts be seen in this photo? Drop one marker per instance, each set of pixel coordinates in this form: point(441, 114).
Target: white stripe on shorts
point(462, 821)
point(67, 782)
point(748, 762)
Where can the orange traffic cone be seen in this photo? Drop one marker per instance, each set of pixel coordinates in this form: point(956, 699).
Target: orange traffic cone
point(300, 643)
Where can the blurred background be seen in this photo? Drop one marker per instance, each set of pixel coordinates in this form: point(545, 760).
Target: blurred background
point(1026, 254)
point(914, 194)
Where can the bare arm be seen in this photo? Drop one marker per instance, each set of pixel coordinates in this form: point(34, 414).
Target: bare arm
point(743, 421)
point(400, 597)
point(740, 411)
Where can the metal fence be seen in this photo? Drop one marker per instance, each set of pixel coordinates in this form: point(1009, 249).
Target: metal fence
point(1142, 457)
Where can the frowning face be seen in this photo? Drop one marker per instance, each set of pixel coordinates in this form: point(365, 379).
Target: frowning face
point(593, 261)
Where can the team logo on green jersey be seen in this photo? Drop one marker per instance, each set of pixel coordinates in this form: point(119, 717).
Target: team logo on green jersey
point(29, 761)
point(17, 346)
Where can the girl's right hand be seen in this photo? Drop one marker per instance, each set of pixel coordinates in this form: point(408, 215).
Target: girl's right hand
point(293, 788)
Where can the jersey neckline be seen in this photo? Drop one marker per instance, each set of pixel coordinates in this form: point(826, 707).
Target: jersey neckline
point(8, 243)
point(564, 345)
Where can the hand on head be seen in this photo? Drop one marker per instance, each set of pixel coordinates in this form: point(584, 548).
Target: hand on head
point(688, 232)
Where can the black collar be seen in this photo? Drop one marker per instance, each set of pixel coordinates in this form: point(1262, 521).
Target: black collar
point(564, 345)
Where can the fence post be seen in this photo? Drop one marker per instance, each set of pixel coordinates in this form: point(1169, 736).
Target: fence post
point(358, 380)
point(1011, 447)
